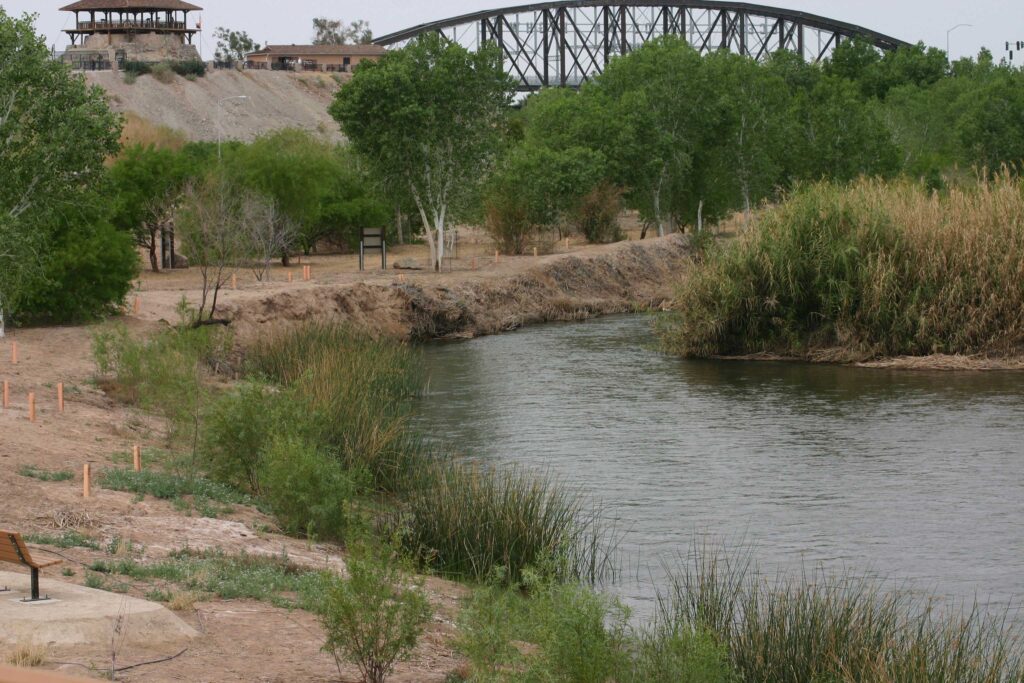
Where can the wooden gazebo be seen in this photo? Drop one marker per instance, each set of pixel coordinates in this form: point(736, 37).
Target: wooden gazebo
point(128, 18)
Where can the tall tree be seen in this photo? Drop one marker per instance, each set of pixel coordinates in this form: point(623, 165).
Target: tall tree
point(233, 46)
point(55, 132)
point(336, 32)
point(430, 117)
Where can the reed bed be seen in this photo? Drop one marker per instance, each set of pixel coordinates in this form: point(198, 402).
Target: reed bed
point(869, 270)
point(835, 628)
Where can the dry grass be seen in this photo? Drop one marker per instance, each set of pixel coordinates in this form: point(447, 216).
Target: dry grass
point(27, 655)
point(871, 270)
point(183, 601)
point(139, 131)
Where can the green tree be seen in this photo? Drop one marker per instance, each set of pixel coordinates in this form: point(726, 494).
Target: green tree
point(991, 127)
point(145, 183)
point(55, 132)
point(663, 91)
point(335, 32)
point(233, 46)
point(429, 117)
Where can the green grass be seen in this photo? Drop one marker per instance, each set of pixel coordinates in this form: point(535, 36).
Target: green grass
point(861, 271)
point(45, 475)
point(836, 627)
point(68, 539)
point(467, 521)
point(169, 486)
point(270, 579)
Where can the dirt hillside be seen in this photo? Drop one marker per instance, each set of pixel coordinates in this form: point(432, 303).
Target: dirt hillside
point(195, 108)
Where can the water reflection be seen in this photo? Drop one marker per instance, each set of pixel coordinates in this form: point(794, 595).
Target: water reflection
point(911, 475)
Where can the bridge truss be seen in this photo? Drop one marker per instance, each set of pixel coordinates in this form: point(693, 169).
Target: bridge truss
point(567, 43)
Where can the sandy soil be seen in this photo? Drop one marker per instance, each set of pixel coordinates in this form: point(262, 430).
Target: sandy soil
point(275, 100)
point(245, 640)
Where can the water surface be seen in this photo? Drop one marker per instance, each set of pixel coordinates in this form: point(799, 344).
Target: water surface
point(909, 476)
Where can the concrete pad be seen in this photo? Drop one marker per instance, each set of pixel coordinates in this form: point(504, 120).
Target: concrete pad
point(76, 615)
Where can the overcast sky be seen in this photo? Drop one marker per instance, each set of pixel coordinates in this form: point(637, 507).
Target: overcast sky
point(274, 21)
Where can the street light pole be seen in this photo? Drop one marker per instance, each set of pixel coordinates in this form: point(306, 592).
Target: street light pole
point(950, 31)
point(220, 122)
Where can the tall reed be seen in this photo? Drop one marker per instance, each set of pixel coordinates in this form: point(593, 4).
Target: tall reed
point(836, 627)
point(871, 269)
point(466, 521)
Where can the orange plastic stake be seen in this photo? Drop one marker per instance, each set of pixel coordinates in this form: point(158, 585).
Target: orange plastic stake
point(14, 353)
point(289, 276)
point(234, 281)
point(31, 407)
point(60, 397)
point(86, 481)
point(137, 306)
point(137, 457)
point(496, 256)
point(535, 252)
point(7, 395)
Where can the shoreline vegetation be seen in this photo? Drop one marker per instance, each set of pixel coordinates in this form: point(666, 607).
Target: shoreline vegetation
point(316, 431)
point(869, 272)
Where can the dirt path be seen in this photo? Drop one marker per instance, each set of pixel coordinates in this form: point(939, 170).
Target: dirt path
point(246, 640)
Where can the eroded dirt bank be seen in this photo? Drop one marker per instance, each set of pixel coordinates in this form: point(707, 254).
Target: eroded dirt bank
point(623, 277)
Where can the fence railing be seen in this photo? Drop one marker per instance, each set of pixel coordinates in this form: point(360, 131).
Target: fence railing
point(131, 25)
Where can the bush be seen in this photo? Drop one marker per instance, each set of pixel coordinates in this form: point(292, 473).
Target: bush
point(873, 269)
point(168, 486)
point(597, 214)
point(194, 68)
point(237, 429)
point(162, 72)
point(505, 221)
point(466, 522)
point(308, 491)
point(571, 633)
point(89, 271)
point(136, 68)
point(370, 619)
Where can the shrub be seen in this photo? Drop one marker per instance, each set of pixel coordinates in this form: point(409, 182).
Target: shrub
point(506, 222)
point(466, 521)
point(597, 214)
point(162, 72)
point(45, 475)
point(168, 486)
point(237, 428)
point(194, 68)
point(370, 619)
point(89, 271)
point(308, 491)
point(873, 269)
point(136, 68)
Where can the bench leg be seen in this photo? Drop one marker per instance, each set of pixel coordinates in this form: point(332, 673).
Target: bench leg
point(35, 584)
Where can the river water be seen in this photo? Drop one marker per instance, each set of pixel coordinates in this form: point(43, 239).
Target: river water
point(913, 477)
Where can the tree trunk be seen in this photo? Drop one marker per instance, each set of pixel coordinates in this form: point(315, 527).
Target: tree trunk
point(285, 258)
point(398, 225)
point(3, 332)
point(700, 216)
point(153, 261)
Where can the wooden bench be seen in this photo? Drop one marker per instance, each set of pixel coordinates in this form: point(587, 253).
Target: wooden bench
point(14, 550)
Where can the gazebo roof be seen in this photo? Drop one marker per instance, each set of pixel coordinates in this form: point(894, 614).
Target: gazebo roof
point(101, 5)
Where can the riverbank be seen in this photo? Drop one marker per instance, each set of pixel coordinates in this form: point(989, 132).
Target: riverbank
point(245, 639)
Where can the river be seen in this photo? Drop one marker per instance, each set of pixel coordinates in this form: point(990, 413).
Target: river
point(914, 477)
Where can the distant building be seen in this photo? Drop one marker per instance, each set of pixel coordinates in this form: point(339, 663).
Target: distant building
point(109, 32)
point(312, 57)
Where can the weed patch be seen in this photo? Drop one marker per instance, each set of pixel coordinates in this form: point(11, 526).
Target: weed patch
point(45, 475)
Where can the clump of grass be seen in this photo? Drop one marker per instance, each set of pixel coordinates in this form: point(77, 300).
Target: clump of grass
point(68, 539)
point(872, 269)
point(45, 475)
point(825, 627)
point(270, 579)
point(357, 392)
point(467, 521)
point(163, 73)
point(169, 486)
point(27, 656)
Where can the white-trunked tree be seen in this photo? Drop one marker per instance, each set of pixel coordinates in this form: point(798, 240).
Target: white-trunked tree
point(429, 119)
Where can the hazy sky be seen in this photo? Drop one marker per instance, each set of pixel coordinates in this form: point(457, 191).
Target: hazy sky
point(274, 21)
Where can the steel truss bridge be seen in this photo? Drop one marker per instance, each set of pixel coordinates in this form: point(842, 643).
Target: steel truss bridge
point(566, 43)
